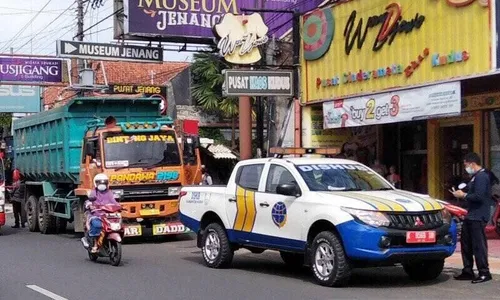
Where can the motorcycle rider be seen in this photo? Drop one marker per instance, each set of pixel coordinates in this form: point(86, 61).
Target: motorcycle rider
point(99, 196)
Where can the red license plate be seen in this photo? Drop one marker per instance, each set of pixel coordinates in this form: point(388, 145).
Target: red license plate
point(416, 237)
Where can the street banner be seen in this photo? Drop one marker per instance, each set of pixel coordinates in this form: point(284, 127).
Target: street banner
point(30, 70)
point(19, 99)
point(193, 20)
point(427, 102)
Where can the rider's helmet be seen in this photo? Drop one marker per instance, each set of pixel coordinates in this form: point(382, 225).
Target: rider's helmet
point(101, 182)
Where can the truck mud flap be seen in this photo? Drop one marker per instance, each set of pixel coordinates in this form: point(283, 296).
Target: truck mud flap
point(161, 229)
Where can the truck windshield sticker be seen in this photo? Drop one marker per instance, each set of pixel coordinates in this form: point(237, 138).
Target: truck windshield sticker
point(308, 168)
point(117, 163)
point(161, 176)
point(140, 138)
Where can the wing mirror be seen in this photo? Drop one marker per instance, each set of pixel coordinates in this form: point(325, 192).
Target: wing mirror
point(288, 189)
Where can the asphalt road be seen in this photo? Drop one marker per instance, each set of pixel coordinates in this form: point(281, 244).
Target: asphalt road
point(32, 265)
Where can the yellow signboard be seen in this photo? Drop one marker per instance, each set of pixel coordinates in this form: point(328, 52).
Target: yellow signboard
point(360, 46)
point(140, 138)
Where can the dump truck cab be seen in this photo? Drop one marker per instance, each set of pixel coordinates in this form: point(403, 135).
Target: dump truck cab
point(147, 164)
point(146, 156)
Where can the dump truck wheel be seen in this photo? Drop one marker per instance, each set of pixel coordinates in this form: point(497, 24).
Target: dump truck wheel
point(46, 222)
point(32, 213)
point(61, 225)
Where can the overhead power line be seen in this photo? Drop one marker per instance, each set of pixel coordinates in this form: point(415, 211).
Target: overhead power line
point(116, 12)
point(26, 26)
point(46, 26)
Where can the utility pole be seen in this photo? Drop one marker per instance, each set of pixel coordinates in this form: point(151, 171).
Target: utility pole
point(79, 36)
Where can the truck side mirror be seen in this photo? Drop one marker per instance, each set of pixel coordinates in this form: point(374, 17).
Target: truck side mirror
point(288, 189)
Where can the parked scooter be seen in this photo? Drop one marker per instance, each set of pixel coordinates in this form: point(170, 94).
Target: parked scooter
point(109, 243)
point(459, 213)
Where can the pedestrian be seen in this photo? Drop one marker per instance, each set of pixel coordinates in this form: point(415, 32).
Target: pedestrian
point(110, 122)
point(17, 198)
point(206, 179)
point(473, 240)
point(394, 177)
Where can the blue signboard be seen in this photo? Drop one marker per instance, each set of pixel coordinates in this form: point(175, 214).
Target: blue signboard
point(19, 99)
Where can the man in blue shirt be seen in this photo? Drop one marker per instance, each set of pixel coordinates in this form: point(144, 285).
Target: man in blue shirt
point(473, 241)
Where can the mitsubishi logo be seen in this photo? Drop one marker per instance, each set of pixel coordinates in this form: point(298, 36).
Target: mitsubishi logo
point(418, 222)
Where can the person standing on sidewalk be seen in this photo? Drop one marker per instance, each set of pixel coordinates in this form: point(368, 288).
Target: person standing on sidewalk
point(17, 198)
point(206, 179)
point(473, 241)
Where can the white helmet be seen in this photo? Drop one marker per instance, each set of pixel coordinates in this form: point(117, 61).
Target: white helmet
point(101, 181)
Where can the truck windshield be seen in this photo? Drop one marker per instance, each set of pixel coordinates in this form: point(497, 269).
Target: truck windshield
point(141, 150)
point(342, 177)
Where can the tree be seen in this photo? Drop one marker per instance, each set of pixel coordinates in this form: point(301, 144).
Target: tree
point(207, 87)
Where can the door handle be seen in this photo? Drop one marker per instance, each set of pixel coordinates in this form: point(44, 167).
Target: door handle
point(232, 199)
point(264, 204)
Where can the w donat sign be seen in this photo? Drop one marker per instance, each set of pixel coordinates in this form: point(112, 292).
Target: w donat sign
point(239, 38)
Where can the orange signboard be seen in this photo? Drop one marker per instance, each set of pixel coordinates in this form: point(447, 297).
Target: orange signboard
point(366, 46)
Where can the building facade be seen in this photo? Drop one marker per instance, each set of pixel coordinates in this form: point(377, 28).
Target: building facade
point(409, 84)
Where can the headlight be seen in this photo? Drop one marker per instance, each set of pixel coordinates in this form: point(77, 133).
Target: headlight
point(174, 191)
point(372, 218)
point(446, 216)
point(117, 194)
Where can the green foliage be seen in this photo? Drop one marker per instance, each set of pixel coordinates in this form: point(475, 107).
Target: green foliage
point(5, 119)
point(213, 133)
point(207, 84)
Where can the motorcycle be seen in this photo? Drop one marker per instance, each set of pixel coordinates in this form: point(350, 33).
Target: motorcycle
point(109, 243)
point(458, 213)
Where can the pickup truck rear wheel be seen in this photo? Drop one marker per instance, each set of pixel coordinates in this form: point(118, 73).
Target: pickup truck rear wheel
point(217, 252)
point(329, 263)
point(424, 270)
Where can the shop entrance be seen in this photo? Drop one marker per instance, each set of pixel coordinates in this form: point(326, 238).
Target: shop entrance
point(448, 140)
point(456, 142)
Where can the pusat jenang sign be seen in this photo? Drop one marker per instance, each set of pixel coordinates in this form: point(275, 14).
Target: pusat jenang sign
point(72, 49)
point(239, 38)
point(258, 83)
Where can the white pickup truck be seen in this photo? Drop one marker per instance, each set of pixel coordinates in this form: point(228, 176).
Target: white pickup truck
point(329, 214)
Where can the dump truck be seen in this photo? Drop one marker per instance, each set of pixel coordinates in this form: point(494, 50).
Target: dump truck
point(147, 157)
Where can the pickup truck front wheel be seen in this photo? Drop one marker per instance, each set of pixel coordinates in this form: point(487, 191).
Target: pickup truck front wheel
point(424, 270)
point(329, 263)
point(216, 249)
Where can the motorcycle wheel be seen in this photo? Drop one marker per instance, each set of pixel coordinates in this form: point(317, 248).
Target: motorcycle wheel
point(93, 256)
point(115, 253)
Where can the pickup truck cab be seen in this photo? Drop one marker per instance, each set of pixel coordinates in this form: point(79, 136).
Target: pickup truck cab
point(329, 214)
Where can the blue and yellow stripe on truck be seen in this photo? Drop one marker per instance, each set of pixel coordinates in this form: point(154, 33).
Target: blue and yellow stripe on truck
point(245, 210)
point(383, 204)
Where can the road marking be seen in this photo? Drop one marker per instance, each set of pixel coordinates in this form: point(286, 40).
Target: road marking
point(45, 292)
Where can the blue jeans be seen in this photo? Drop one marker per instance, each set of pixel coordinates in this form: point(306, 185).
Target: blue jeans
point(95, 227)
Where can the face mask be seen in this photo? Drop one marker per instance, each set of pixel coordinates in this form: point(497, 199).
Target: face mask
point(469, 170)
point(101, 187)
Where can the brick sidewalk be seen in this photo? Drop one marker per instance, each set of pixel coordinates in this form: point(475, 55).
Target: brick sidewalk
point(455, 261)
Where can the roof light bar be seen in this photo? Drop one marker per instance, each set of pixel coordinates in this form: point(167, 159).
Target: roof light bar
point(279, 152)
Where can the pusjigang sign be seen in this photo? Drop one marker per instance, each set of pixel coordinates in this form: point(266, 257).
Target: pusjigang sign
point(193, 20)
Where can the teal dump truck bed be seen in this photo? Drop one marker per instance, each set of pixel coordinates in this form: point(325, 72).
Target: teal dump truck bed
point(48, 145)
